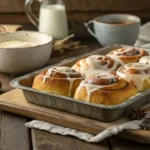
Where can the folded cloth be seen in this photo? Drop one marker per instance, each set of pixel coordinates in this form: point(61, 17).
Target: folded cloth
point(144, 38)
point(52, 128)
point(10, 28)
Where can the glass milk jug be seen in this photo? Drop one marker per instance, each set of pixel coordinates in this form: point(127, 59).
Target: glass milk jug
point(52, 17)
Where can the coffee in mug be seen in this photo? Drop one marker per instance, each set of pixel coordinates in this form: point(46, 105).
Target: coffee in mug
point(120, 22)
point(115, 29)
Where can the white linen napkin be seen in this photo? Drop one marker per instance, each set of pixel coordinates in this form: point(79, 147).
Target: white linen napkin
point(143, 41)
point(144, 36)
point(52, 128)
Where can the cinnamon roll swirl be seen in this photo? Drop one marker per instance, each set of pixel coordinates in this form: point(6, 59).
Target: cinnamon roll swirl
point(137, 73)
point(58, 80)
point(127, 55)
point(96, 64)
point(107, 89)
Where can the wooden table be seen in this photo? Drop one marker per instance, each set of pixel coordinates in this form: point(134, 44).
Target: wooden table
point(15, 136)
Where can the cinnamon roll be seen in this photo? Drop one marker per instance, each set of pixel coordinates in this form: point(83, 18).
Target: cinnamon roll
point(127, 55)
point(58, 80)
point(145, 59)
point(107, 89)
point(137, 73)
point(96, 64)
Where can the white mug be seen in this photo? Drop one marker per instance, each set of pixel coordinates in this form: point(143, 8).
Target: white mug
point(52, 17)
point(115, 29)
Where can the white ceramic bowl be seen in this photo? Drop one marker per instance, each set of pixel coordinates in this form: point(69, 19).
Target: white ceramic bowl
point(24, 60)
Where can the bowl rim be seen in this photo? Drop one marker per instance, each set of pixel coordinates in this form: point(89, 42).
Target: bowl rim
point(28, 31)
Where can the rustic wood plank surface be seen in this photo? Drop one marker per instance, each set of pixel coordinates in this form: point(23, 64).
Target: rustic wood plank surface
point(15, 102)
point(45, 141)
point(118, 144)
point(92, 45)
point(0, 126)
point(5, 79)
point(83, 5)
point(14, 135)
point(21, 18)
point(9, 6)
point(12, 126)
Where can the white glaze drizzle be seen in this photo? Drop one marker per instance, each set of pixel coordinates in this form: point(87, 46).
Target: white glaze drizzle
point(123, 52)
point(95, 65)
point(92, 87)
point(145, 59)
point(137, 66)
point(137, 79)
point(65, 70)
point(116, 58)
point(71, 80)
point(44, 78)
point(130, 51)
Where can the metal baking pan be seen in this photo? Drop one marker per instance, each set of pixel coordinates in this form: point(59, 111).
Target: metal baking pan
point(95, 111)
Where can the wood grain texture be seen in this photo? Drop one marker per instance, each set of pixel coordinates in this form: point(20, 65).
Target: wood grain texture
point(21, 18)
point(92, 46)
point(0, 127)
point(15, 102)
point(15, 6)
point(14, 135)
point(83, 5)
point(5, 79)
point(45, 141)
point(107, 5)
point(118, 144)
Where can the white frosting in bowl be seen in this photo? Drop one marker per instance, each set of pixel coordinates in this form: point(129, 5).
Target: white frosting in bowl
point(21, 58)
point(17, 44)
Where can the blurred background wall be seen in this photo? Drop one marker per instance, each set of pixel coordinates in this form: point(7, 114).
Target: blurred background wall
point(78, 11)
point(85, 5)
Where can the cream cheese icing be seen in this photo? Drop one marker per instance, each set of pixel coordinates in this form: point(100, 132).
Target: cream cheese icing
point(17, 44)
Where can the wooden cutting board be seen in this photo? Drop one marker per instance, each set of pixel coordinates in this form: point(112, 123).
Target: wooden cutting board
point(14, 101)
